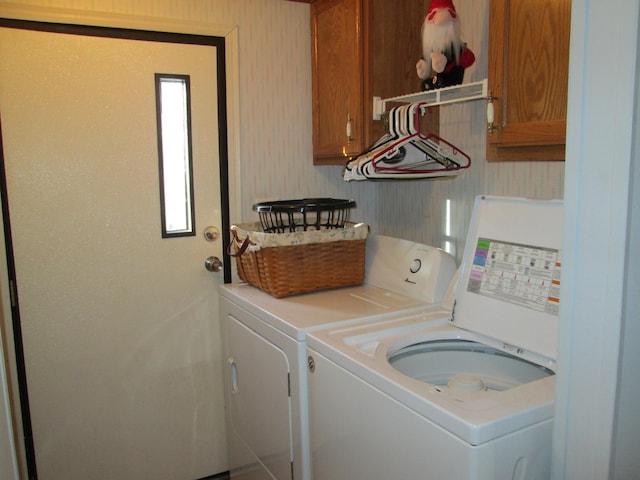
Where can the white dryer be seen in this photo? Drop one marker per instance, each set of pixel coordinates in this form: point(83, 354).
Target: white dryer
point(265, 350)
point(464, 392)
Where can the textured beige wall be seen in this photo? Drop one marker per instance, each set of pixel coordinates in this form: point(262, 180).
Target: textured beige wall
point(275, 121)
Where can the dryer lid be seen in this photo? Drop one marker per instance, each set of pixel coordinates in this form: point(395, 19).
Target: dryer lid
point(509, 287)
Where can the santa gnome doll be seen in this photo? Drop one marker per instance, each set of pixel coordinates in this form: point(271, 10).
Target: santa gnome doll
point(445, 56)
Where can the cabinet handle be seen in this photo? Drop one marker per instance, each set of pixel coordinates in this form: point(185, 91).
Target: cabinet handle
point(491, 126)
point(349, 129)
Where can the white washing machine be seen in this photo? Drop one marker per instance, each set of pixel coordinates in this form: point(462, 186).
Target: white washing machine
point(265, 351)
point(463, 392)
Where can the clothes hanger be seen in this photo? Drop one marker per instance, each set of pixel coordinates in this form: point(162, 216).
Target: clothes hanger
point(431, 154)
point(401, 128)
point(405, 152)
point(353, 167)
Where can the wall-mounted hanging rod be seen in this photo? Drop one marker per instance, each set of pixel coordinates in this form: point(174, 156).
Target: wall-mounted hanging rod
point(440, 96)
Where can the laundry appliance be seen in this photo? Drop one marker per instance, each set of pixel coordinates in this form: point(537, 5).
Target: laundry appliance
point(461, 392)
point(265, 354)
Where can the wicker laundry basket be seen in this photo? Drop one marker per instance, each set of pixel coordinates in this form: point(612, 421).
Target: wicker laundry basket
point(285, 264)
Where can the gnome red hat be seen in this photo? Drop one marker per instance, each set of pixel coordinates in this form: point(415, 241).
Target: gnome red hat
point(436, 5)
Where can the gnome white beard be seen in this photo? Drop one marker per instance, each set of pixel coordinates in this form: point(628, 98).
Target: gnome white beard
point(440, 38)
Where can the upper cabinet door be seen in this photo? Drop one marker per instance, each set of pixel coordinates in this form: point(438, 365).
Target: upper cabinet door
point(528, 75)
point(361, 49)
point(337, 66)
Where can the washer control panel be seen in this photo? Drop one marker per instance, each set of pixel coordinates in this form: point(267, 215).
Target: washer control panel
point(408, 268)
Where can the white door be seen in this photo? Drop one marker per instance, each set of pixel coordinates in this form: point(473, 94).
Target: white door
point(119, 326)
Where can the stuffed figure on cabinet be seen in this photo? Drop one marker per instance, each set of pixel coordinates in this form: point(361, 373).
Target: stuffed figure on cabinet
point(444, 55)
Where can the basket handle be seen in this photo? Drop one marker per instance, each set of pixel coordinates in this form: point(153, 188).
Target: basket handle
point(235, 242)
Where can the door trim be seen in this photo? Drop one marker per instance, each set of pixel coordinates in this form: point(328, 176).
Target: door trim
point(148, 33)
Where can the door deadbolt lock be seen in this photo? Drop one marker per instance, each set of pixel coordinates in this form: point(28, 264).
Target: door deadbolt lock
point(211, 234)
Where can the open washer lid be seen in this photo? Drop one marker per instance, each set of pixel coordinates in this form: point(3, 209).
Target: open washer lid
point(509, 287)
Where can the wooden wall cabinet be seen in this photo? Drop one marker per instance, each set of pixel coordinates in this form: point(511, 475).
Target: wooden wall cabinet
point(528, 76)
point(360, 49)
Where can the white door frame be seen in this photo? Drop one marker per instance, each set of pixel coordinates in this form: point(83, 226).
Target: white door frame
point(8, 457)
point(144, 23)
point(602, 141)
